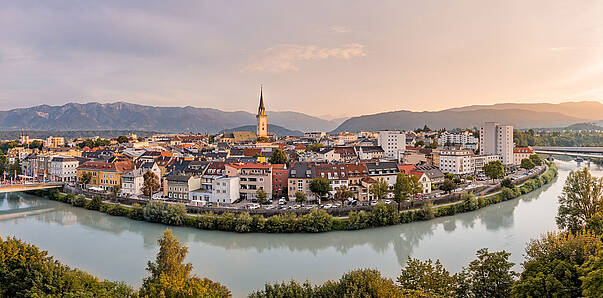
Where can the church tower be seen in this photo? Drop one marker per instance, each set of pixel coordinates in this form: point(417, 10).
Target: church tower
point(262, 119)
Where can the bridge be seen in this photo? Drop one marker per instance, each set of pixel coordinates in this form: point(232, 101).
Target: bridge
point(588, 152)
point(15, 187)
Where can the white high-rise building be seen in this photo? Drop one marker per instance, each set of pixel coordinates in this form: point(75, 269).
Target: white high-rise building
point(393, 142)
point(496, 139)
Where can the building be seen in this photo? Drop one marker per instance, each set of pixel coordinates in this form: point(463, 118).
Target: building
point(104, 175)
point(434, 173)
point(520, 153)
point(496, 139)
point(132, 183)
point(316, 135)
point(386, 170)
point(393, 143)
point(225, 190)
point(280, 175)
point(262, 119)
point(423, 180)
point(63, 169)
point(481, 160)
point(457, 162)
point(464, 139)
point(369, 152)
point(300, 176)
point(180, 185)
point(253, 176)
point(54, 142)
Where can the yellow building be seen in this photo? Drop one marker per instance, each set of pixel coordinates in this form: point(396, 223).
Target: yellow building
point(104, 175)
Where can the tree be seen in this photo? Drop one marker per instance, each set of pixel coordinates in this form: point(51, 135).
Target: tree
point(261, 195)
point(86, 178)
point(406, 186)
point(300, 197)
point(581, 199)
point(342, 193)
point(278, 157)
point(448, 186)
point(553, 262)
point(527, 164)
point(115, 192)
point(434, 144)
point(170, 277)
point(379, 189)
point(122, 139)
point(320, 187)
point(419, 143)
point(489, 275)
point(494, 170)
point(536, 160)
point(150, 184)
point(427, 277)
point(508, 183)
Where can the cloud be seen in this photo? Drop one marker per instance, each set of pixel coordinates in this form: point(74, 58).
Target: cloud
point(340, 29)
point(285, 57)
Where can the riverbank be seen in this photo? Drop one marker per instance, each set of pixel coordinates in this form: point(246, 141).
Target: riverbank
point(316, 221)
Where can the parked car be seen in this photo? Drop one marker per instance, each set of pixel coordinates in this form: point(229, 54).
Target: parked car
point(282, 202)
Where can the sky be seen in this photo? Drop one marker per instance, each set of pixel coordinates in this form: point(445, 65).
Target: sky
point(327, 58)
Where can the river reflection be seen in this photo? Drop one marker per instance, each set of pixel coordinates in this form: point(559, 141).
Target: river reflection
point(118, 248)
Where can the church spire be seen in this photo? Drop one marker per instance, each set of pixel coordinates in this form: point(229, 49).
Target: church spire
point(261, 109)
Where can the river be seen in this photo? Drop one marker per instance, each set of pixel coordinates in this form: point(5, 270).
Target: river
point(118, 248)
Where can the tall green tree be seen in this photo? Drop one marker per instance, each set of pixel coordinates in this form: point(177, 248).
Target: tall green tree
point(278, 156)
point(406, 187)
point(122, 139)
point(448, 185)
point(300, 196)
point(527, 164)
point(379, 189)
point(489, 275)
point(261, 195)
point(581, 199)
point(494, 170)
point(342, 193)
point(86, 178)
point(170, 277)
point(150, 184)
point(536, 160)
point(320, 187)
point(427, 277)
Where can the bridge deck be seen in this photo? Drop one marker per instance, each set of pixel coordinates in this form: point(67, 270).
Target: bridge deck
point(25, 187)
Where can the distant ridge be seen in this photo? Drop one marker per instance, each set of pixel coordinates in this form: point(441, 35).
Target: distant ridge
point(127, 116)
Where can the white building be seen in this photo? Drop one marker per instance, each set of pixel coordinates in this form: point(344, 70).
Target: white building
point(457, 138)
point(132, 182)
point(481, 160)
point(225, 190)
point(63, 169)
point(457, 162)
point(393, 143)
point(315, 135)
point(520, 153)
point(496, 139)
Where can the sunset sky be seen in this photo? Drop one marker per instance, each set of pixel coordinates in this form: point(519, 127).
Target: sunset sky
point(318, 57)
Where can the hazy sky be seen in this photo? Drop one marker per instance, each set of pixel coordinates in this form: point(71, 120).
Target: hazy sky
point(319, 57)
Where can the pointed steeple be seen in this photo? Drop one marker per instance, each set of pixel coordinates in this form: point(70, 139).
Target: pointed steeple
point(261, 109)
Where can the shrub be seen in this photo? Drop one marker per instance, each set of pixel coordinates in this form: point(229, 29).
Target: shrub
point(244, 223)
point(226, 222)
point(95, 203)
point(206, 221)
point(317, 221)
point(78, 201)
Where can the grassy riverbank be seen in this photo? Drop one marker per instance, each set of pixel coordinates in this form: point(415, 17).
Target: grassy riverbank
point(315, 222)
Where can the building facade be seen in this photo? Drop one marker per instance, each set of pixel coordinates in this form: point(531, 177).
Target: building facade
point(496, 139)
point(393, 143)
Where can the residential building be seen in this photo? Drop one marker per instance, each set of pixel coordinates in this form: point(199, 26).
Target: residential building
point(520, 153)
point(481, 160)
point(423, 180)
point(393, 143)
point(63, 169)
point(180, 185)
point(280, 176)
point(496, 139)
point(369, 152)
point(457, 162)
point(300, 176)
point(104, 175)
point(464, 138)
point(386, 170)
point(316, 135)
point(225, 190)
point(434, 173)
point(132, 183)
point(253, 176)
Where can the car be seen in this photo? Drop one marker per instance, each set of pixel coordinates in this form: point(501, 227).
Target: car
point(373, 203)
point(282, 202)
point(253, 206)
point(387, 201)
point(269, 207)
point(327, 206)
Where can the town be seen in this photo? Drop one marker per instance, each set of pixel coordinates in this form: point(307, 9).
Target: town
point(259, 170)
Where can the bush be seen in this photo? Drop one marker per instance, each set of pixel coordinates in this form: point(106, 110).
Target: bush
point(384, 215)
point(508, 193)
point(226, 222)
point(206, 221)
point(95, 203)
point(426, 212)
point(358, 220)
point(508, 183)
point(244, 223)
point(78, 201)
point(317, 221)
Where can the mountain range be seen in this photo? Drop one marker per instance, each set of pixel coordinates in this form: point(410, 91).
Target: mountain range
point(539, 115)
point(127, 116)
point(124, 116)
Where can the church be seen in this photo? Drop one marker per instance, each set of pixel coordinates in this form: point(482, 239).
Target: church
point(262, 119)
